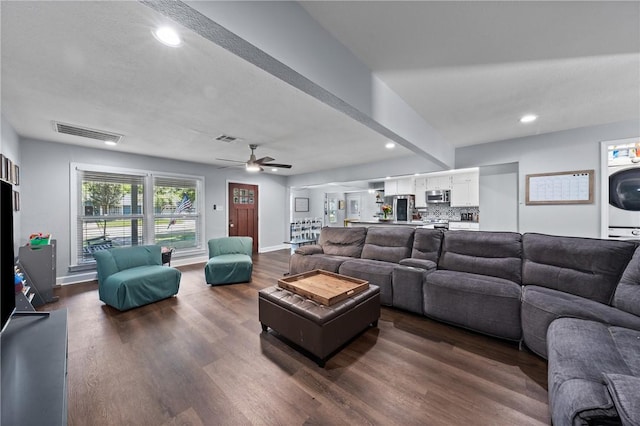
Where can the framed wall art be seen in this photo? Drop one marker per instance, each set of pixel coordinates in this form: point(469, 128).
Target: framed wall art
point(301, 204)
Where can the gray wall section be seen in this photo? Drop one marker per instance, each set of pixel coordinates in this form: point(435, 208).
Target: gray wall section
point(499, 197)
point(577, 149)
point(10, 147)
point(46, 203)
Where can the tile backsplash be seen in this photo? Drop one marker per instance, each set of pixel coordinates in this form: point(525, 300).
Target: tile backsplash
point(448, 213)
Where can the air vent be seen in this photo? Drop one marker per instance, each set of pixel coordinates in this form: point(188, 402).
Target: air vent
point(226, 138)
point(84, 132)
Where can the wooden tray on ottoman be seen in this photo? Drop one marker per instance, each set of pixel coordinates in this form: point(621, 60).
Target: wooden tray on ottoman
point(323, 287)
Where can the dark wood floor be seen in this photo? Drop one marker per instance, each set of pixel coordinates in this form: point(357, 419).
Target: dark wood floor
point(200, 359)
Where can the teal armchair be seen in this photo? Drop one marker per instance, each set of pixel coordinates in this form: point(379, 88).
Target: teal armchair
point(229, 260)
point(129, 277)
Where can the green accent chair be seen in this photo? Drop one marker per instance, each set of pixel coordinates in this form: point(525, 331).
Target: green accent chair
point(229, 260)
point(129, 277)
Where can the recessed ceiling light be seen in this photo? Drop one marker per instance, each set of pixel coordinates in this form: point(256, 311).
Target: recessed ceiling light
point(390, 145)
point(168, 36)
point(274, 169)
point(528, 118)
point(110, 143)
point(388, 177)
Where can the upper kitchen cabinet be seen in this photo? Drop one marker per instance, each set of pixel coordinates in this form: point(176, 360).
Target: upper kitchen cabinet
point(438, 182)
point(465, 189)
point(399, 187)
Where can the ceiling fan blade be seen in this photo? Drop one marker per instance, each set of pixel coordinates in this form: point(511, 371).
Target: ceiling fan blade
point(233, 161)
point(229, 166)
point(282, 166)
point(264, 160)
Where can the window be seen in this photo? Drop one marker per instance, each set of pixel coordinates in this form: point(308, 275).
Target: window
point(177, 221)
point(119, 208)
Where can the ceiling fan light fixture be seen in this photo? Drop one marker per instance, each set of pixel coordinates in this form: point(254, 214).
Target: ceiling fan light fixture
point(252, 167)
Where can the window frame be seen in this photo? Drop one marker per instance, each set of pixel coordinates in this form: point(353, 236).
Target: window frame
point(148, 215)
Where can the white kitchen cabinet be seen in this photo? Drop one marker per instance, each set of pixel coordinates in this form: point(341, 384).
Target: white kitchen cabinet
point(390, 187)
point(465, 189)
point(406, 186)
point(421, 187)
point(438, 182)
point(399, 187)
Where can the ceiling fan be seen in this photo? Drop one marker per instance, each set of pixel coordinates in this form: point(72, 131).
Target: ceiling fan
point(253, 165)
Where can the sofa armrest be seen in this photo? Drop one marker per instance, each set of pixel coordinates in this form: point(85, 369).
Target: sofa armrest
point(310, 249)
point(419, 263)
point(624, 391)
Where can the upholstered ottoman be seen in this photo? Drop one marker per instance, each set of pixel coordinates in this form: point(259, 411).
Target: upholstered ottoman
point(320, 330)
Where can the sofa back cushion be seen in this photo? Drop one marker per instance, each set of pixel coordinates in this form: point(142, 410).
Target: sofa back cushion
point(342, 241)
point(230, 245)
point(131, 257)
point(496, 254)
point(586, 267)
point(627, 294)
point(388, 243)
point(427, 244)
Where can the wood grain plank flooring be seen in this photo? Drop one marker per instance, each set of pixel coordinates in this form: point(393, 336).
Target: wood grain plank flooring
point(201, 359)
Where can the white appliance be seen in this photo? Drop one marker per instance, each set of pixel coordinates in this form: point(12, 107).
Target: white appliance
point(624, 197)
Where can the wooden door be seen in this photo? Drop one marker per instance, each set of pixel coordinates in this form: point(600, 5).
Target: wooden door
point(243, 212)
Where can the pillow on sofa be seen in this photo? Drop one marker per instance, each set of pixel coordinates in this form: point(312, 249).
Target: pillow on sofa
point(627, 295)
point(624, 391)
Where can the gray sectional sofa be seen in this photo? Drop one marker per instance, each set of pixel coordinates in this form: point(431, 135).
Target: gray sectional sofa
point(574, 301)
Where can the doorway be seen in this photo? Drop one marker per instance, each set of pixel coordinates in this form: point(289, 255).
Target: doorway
point(243, 212)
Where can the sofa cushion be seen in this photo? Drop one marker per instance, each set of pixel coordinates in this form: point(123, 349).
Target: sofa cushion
point(425, 264)
point(299, 263)
point(541, 306)
point(586, 267)
point(427, 244)
point(478, 302)
point(625, 392)
point(580, 351)
point(139, 286)
point(388, 244)
point(495, 254)
point(376, 272)
point(406, 283)
point(131, 257)
point(346, 242)
point(627, 294)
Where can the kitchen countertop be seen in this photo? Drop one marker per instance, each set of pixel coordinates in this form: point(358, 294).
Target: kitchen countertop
point(415, 223)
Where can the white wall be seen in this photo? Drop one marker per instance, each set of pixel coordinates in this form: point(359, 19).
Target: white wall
point(499, 197)
point(46, 203)
point(577, 149)
point(9, 146)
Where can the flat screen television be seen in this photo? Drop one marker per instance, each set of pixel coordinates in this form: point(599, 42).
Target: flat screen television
point(7, 271)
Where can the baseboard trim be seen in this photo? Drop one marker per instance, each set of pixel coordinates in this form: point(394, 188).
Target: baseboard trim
point(273, 248)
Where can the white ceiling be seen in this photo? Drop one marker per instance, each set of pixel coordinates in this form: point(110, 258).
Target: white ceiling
point(470, 69)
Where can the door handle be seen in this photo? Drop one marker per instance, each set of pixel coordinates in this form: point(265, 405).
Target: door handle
point(231, 225)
